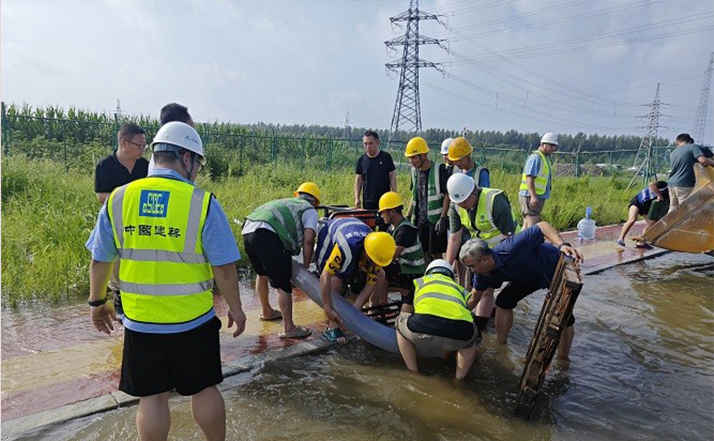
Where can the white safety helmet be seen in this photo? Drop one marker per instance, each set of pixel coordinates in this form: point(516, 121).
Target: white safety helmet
point(177, 134)
point(445, 146)
point(549, 138)
point(460, 186)
point(440, 266)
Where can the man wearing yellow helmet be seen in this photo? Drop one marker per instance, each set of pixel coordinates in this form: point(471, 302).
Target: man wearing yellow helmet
point(348, 252)
point(430, 202)
point(408, 264)
point(272, 234)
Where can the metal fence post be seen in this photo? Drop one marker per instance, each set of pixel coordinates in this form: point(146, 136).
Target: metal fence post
point(5, 131)
point(577, 162)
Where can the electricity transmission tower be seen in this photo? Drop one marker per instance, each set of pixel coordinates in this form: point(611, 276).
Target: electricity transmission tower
point(644, 160)
point(407, 109)
point(700, 120)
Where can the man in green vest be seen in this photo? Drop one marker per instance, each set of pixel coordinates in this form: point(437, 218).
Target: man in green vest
point(477, 212)
point(536, 181)
point(408, 262)
point(173, 240)
point(441, 321)
point(430, 203)
point(272, 234)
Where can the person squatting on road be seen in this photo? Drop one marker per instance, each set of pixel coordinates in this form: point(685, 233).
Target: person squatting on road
point(537, 180)
point(173, 239)
point(429, 204)
point(348, 252)
point(441, 322)
point(527, 263)
point(272, 234)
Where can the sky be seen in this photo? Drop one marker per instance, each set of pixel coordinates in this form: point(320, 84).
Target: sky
point(564, 66)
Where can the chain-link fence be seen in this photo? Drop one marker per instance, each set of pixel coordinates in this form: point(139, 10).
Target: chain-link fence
point(80, 143)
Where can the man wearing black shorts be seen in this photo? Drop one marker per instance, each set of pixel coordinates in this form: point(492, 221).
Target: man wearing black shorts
point(641, 205)
point(408, 262)
point(124, 165)
point(272, 234)
point(527, 263)
point(374, 173)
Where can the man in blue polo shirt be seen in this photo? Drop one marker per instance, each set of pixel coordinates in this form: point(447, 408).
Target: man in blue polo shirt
point(527, 263)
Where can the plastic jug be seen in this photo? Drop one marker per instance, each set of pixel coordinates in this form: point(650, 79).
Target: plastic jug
point(586, 226)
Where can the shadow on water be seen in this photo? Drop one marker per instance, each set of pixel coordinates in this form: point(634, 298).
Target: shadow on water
point(641, 367)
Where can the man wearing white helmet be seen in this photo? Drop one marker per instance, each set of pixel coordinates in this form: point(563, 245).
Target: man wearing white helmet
point(536, 181)
point(441, 321)
point(173, 239)
point(445, 154)
point(477, 212)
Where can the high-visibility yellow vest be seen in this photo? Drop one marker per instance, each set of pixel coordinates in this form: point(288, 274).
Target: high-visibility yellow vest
point(164, 278)
point(541, 180)
point(483, 226)
point(440, 296)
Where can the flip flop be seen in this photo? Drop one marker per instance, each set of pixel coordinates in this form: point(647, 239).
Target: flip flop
point(301, 332)
point(335, 335)
point(276, 315)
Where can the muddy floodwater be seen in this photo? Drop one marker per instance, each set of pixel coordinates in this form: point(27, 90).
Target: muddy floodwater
point(642, 367)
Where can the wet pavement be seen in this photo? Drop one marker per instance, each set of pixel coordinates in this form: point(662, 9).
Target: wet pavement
point(52, 357)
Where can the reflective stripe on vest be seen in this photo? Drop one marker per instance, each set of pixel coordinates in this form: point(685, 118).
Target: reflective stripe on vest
point(349, 242)
point(411, 261)
point(440, 296)
point(483, 226)
point(165, 279)
point(435, 198)
point(541, 181)
point(285, 216)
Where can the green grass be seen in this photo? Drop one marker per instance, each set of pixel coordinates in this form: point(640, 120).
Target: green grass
point(48, 213)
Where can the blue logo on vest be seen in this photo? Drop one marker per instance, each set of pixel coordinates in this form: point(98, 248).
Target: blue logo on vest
point(153, 203)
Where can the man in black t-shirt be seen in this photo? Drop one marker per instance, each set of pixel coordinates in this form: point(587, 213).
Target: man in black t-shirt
point(124, 165)
point(375, 173)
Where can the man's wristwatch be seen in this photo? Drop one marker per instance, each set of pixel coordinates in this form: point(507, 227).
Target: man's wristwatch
point(95, 303)
point(564, 244)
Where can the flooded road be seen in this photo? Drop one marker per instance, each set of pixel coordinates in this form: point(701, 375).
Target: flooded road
point(642, 367)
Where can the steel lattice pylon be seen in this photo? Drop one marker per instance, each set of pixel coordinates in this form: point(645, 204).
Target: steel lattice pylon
point(644, 160)
point(407, 109)
point(700, 120)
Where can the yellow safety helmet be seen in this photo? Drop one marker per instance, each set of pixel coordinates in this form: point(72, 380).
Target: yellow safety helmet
point(390, 200)
point(380, 247)
point(416, 146)
point(459, 148)
point(310, 188)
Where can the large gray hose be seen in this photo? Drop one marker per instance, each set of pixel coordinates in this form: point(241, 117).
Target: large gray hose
point(353, 320)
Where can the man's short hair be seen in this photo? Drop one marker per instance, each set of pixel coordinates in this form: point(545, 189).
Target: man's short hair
point(175, 112)
point(372, 133)
point(684, 137)
point(128, 131)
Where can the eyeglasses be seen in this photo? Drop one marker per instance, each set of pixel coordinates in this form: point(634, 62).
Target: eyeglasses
point(201, 160)
point(141, 146)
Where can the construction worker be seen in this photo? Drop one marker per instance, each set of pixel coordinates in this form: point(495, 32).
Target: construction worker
point(682, 159)
point(477, 212)
point(441, 321)
point(348, 252)
point(429, 203)
point(173, 239)
point(527, 263)
point(445, 155)
point(272, 234)
point(460, 153)
point(641, 205)
point(536, 181)
point(408, 261)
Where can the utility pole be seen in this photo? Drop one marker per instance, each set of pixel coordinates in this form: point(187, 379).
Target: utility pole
point(700, 120)
point(407, 109)
point(117, 113)
point(348, 130)
point(644, 160)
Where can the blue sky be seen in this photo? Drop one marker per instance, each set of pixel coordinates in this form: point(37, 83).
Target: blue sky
point(585, 65)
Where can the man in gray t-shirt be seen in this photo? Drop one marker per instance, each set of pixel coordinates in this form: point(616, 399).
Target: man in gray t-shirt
point(682, 159)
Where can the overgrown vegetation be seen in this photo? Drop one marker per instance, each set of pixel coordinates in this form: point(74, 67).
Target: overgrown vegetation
point(49, 210)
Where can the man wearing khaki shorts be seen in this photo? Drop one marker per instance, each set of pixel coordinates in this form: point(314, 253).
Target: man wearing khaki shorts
point(441, 322)
point(682, 160)
point(536, 181)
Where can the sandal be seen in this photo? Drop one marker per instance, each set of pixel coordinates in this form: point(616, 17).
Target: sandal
point(300, 332)
point(335, 335)
point(276, 315)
